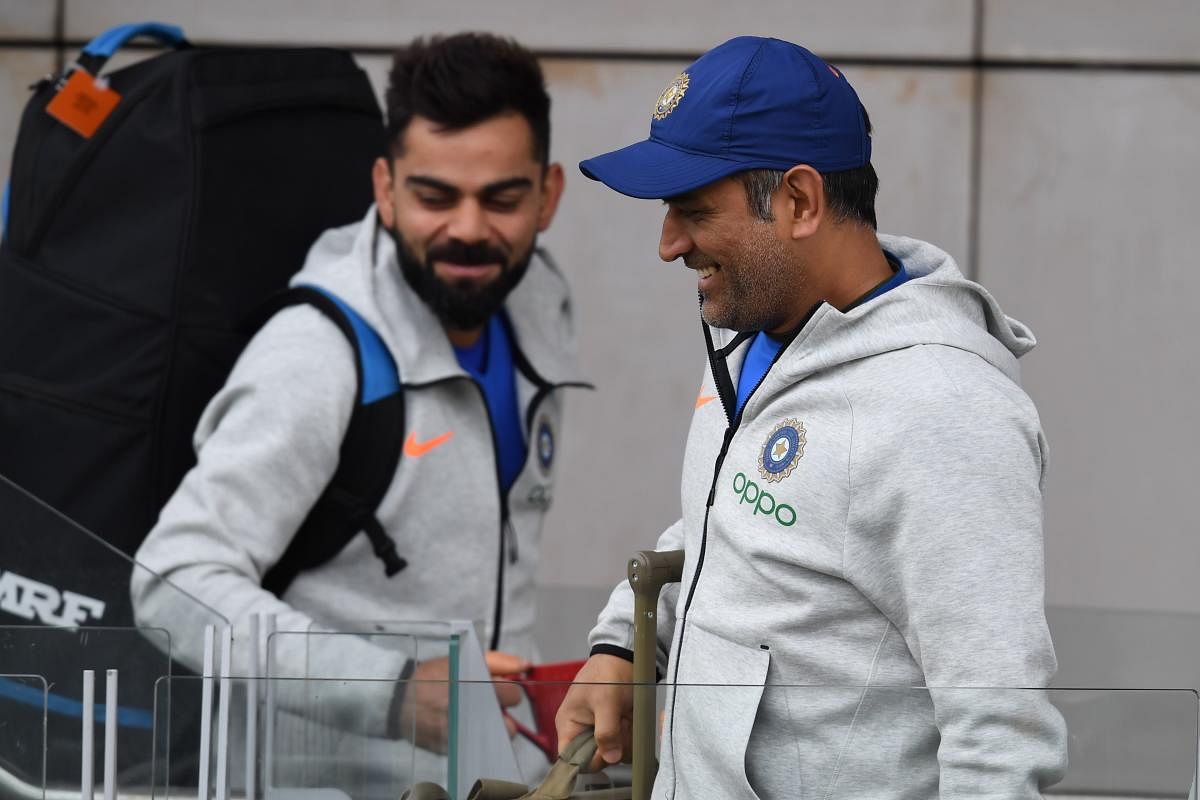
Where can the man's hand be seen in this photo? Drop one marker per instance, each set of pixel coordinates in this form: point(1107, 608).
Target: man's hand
point(606, 709)
point(424, 718)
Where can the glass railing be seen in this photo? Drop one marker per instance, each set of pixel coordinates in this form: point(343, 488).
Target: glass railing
point(717, 741)
point(23, 737)
point(1129, 649)
point(315, 715)
point(65, 608)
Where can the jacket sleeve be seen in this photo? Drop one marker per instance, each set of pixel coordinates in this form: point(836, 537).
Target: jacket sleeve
point(945, 537)
point(613, 633)
point(267, 444)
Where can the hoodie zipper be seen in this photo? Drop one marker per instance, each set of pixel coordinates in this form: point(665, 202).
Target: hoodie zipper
point(734, 422)
point(508, 534)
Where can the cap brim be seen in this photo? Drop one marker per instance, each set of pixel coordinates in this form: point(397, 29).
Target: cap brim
point(652, 170)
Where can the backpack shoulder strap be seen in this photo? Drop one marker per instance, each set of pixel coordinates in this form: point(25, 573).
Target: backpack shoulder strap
point(369, 455)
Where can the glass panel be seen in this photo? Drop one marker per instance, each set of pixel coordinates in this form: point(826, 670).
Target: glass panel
point(749, 742)
point(60, 655)
point(23, 740)
point(357, 656)
point(65, 607)
point(328, 738)
point(1120, 649)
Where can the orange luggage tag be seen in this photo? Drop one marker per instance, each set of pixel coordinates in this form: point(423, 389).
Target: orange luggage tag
point(83, 103)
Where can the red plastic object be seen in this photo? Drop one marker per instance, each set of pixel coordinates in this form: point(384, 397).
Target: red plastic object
point(545, 685)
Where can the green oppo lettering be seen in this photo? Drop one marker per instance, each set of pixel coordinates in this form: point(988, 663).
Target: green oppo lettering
point(762, 502)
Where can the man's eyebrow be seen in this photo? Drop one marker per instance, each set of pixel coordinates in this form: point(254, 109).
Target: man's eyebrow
point(430, 183)
point(505, 185)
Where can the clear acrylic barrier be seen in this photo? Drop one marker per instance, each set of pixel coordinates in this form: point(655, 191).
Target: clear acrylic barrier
point(1125, 649)
point(59, 656)
point(317, 739)
point(784, 741)
point(65, 606)
point(23, 746)
point(380, 652)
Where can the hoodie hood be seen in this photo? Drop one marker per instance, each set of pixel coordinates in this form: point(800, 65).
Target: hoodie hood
point(358, 263)
point(937, 306)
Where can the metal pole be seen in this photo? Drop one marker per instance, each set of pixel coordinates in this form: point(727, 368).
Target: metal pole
point(206, 713)
point(269, 713)
point(252, 711)
point(87, 781)
point(223, 714)
point(110, 735)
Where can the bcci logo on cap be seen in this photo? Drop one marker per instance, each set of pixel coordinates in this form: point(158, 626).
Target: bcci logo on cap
point(782, 451)
point(671, 96)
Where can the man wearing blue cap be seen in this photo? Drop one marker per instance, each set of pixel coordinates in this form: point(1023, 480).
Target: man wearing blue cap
point(862, 502)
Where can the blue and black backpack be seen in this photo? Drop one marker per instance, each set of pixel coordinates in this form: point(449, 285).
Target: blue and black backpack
point(132, 259)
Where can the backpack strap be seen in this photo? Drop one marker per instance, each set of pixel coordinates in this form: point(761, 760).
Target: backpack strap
point(369, 456)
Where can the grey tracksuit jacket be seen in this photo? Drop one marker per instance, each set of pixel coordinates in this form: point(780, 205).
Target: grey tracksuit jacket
point(268, 443)
point(873, 522)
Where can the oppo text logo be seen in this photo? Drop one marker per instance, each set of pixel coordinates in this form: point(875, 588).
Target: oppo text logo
point(762, 502)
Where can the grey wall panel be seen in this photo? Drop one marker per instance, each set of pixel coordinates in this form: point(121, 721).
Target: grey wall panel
point(914, 28)
point(19, 68)
point(1101, 30)
point(640, 335)
point(27, 19)
point(1088, 206)
point(921, 150)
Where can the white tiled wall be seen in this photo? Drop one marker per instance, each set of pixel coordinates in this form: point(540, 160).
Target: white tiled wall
point(1086, 190)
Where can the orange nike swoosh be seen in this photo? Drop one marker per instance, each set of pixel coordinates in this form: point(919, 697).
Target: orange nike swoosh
point(704, 399)
point(415, 449)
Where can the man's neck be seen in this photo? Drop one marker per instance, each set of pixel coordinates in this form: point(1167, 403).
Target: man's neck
point(843, 267)
point(851, 264)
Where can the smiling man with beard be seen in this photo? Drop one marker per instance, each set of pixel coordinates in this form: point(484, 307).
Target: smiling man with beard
point(861, 500)
point(445, 268)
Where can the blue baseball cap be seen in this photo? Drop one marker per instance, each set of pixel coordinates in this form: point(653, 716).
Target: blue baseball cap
point(750, 103)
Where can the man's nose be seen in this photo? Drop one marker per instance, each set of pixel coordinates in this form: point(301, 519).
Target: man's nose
point(674, 242)
point(468, 222)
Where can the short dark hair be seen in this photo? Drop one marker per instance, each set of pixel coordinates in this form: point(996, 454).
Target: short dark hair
point(850, 193)
point(461, 80)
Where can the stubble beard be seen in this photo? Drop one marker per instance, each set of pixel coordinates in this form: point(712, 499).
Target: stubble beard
point(755, 288)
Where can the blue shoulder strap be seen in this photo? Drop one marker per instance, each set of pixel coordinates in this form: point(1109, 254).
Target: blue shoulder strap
point(380, 377)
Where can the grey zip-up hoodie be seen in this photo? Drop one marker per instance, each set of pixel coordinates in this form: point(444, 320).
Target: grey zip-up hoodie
point(268, 443)
point(872, 520)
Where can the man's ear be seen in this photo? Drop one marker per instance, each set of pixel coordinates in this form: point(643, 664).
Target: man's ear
point(804, 201)
point(552, 188)
point(381, 178)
